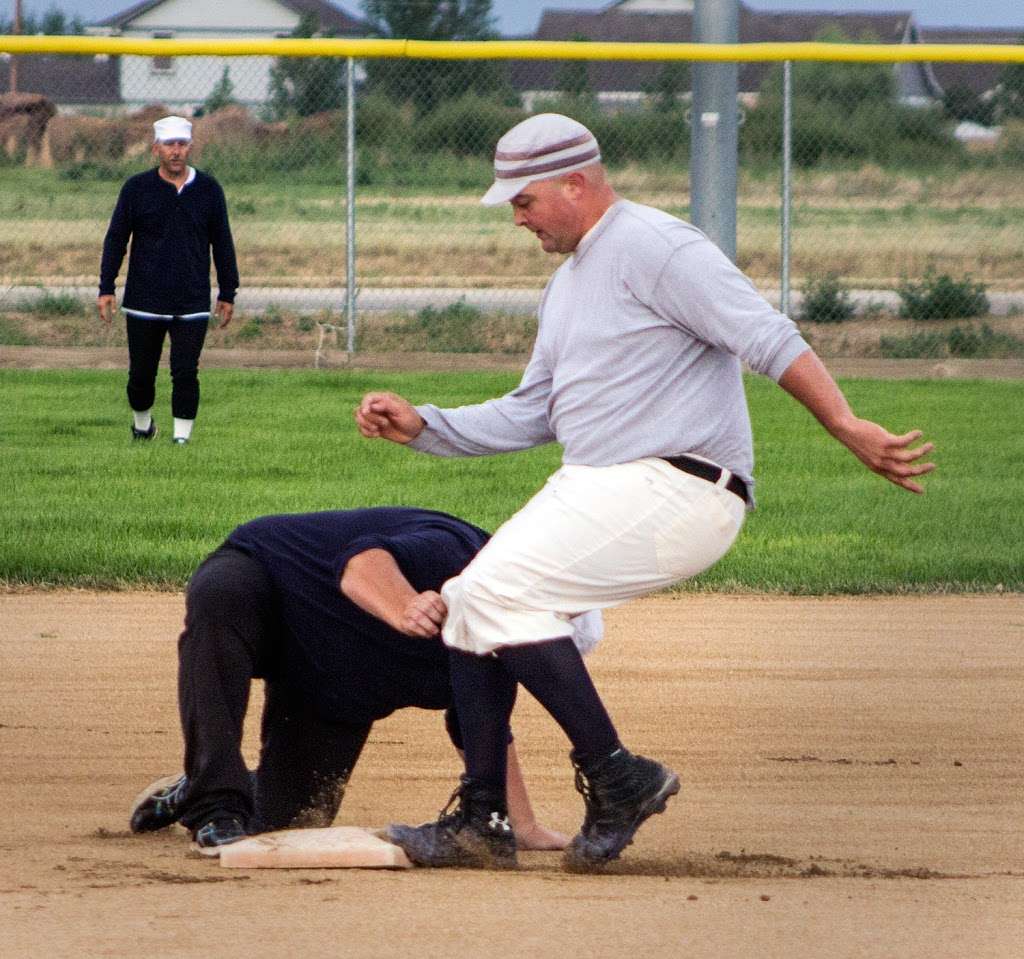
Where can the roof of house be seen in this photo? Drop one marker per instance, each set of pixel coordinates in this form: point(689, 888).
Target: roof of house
point(977, 77)
point(756, 26)
point(331, 17)
point(68, 80)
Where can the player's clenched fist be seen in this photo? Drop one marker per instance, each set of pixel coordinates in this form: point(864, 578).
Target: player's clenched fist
point(423, 615)
point(388, 416)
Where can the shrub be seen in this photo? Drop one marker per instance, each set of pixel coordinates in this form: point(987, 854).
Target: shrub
point(984, 343)
point(452, 329)
point(469, 126)
point(54, 304)
point(13, 334)
point(826, 300)
point(930, 345)
point(961, 341)
point(940, 297)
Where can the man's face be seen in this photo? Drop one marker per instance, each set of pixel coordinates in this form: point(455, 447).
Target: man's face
point(173, 155)
point(548, 209)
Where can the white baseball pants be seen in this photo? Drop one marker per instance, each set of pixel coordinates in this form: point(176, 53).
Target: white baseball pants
point(593, 537)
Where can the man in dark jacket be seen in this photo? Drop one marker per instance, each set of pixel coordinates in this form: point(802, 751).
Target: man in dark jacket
point(175, 215)
point(340, 613)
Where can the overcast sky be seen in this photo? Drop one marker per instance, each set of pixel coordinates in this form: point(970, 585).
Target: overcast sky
point(521, 16)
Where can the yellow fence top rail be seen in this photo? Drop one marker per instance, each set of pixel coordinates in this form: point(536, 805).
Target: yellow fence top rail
point(519, 49)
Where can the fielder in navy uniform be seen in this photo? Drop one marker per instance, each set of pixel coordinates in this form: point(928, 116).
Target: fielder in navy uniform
point(636, 371)
point(339, 612)
point(175, 216)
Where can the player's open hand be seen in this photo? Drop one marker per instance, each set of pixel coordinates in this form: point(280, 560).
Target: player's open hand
point(423, 615)
point(388, 416)
point(105, 307)
point(889, 455)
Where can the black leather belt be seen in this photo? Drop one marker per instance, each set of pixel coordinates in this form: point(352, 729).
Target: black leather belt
point(709, 472)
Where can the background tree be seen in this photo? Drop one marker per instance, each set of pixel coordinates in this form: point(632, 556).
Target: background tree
point(300, 86)
point(1009, 101)
point(428, 83)
point(54, 23)
point(572, 79)
point(845, 112)
point(960, 102)
point(222, 93)
point(668, 86)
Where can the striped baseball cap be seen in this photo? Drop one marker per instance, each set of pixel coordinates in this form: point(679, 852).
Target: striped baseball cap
point(541, 147)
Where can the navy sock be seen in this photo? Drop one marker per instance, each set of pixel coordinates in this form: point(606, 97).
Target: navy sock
point(554, 673)
point(484, 695)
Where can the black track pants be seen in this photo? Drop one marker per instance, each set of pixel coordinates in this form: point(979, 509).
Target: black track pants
point(146, 343)
point(232, 635)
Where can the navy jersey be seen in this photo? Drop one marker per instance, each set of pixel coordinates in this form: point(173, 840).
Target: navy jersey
point(352, 666)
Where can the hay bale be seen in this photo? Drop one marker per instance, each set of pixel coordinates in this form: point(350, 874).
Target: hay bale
point(231, 126)
point(23, 121)
point(73, 139)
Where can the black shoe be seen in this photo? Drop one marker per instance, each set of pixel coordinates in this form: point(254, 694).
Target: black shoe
point(145, 434)
point(620, 792)
point(476, 834)
point(208, 839)
point(159, 804)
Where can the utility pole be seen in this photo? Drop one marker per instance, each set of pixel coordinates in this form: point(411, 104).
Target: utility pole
point(714, 143)
point(14, 59)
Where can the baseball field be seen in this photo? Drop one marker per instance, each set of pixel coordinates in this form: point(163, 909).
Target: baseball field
point(841, 697)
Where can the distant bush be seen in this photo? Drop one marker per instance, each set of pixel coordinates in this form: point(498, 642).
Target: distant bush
point(984, 343)
point(826, 300)
point(452, 329)
point(468, 126)
point(1011, 143)
point(13, 334)
point(961, 341)
point(915, 346)
point(940, 297)
point(53, 304)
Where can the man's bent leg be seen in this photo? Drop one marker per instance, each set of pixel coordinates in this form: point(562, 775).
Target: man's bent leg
point(230, 622)
point(305, 763)
point(477, 832)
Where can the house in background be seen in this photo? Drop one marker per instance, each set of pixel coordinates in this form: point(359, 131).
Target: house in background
point(182, 84)
point(671, 21)
point(980, 78)
point(73, 84)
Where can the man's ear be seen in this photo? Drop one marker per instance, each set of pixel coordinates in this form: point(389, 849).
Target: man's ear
point(574, 184)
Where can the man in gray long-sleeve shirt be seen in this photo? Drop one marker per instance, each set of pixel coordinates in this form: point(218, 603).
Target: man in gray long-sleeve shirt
point(636, 371)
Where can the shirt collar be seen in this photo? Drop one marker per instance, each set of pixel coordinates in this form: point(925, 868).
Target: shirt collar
point(591, 236)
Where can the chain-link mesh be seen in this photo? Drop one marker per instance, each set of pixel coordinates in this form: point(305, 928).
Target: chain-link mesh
point(894, 212)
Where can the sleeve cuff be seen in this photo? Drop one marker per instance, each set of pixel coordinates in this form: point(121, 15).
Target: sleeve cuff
point(795, 346)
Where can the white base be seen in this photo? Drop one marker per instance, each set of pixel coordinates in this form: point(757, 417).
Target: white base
point(336, 847)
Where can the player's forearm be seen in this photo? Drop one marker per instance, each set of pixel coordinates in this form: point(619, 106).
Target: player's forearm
point(520, 811)
point(808, 382)
point(373, 581)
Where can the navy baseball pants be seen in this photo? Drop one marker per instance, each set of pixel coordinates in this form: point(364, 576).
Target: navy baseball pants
point(233, 635)
point(146, 343)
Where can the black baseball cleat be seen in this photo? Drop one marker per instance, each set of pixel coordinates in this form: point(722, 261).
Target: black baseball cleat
point(213, 835)
point(620, 792)
point(145, 434)
point(475, 835)
point(159, 804)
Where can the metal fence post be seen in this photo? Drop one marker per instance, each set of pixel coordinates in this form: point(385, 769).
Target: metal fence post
point(350, 204)
point(714, 122)
point(787, 183)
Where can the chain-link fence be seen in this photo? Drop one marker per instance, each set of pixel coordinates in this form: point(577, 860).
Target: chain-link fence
point(896, 209)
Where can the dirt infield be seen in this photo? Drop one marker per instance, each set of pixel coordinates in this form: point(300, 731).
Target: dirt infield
point(853, 787)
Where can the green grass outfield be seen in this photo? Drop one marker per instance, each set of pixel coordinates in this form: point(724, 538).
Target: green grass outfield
point(84, 506)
